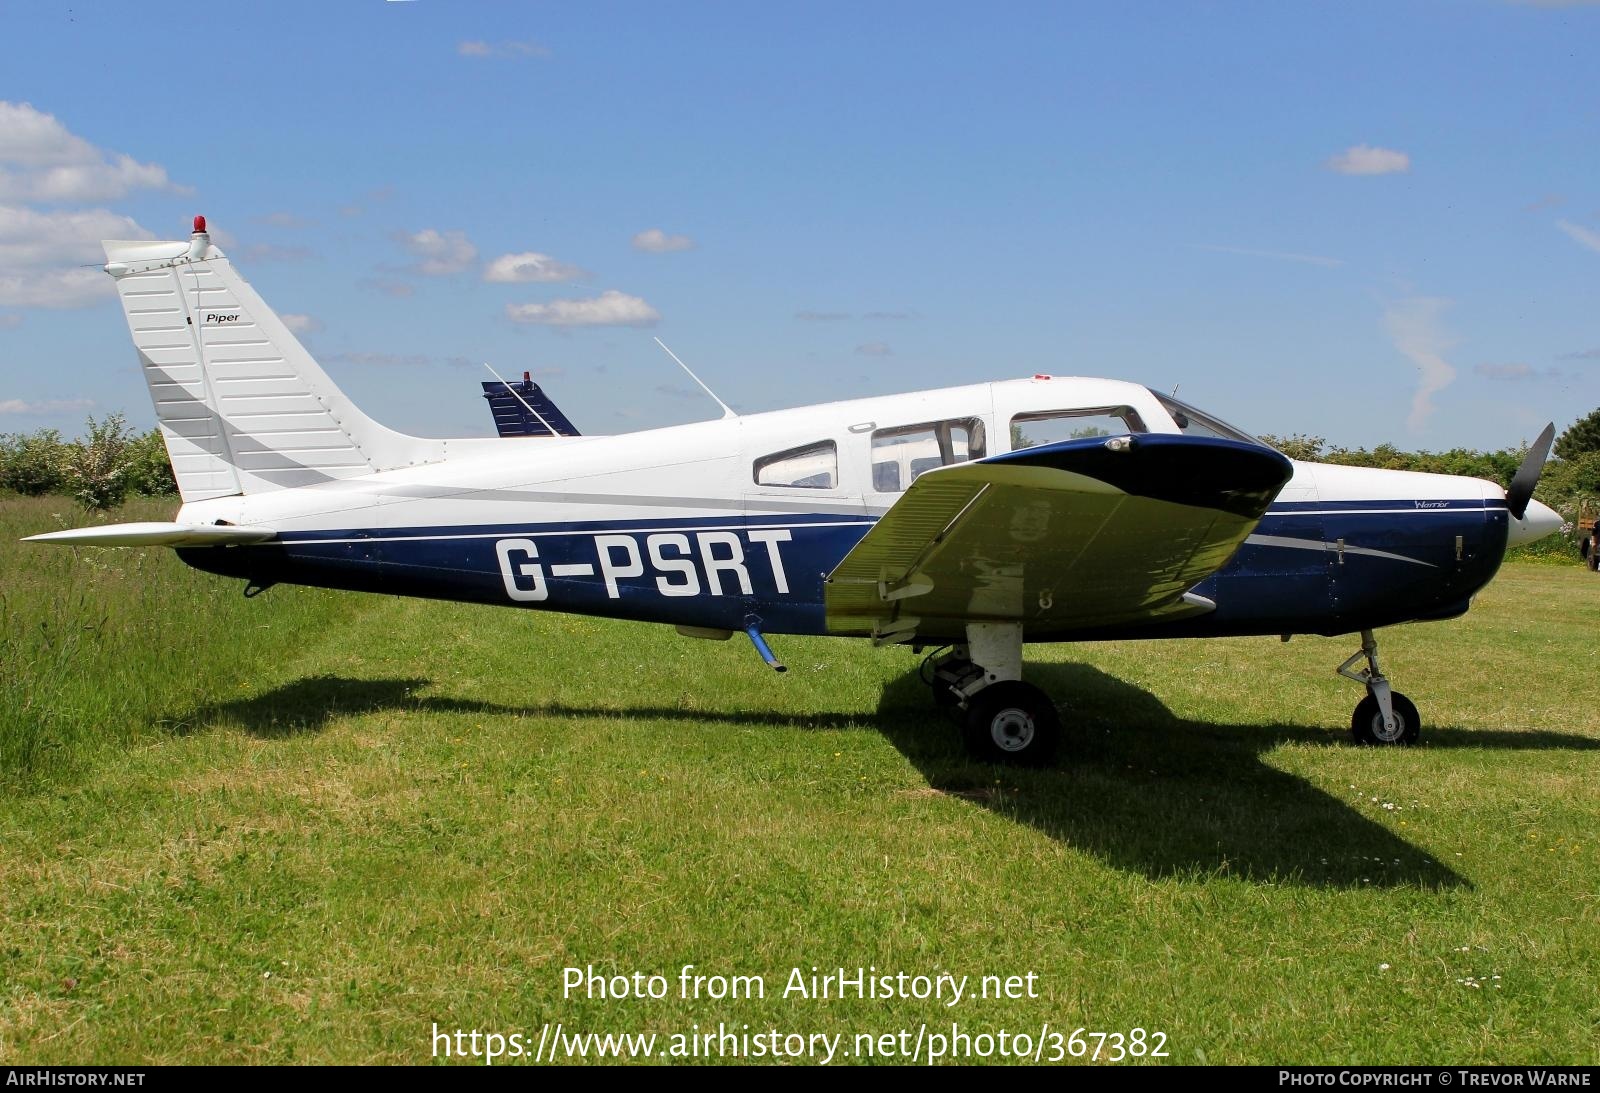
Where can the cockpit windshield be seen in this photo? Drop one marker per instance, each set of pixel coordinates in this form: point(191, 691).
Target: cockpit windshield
point(1199, 423)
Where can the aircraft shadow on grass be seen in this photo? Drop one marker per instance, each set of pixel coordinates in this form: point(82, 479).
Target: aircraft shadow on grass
point(1136, 786)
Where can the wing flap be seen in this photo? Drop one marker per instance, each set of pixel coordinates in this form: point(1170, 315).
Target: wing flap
point(1066, 536)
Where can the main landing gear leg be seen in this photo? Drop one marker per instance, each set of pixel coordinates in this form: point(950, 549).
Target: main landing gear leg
point(1003, 719)
point(1385, 716)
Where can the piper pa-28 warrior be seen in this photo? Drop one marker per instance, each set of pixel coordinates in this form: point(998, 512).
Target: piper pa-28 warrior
point(969, 520)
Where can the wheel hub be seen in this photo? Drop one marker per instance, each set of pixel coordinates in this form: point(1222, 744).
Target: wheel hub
point(1386, 734)
point(1011, 729)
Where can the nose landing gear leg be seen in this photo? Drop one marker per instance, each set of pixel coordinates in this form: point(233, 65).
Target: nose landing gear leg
point(1385, 717)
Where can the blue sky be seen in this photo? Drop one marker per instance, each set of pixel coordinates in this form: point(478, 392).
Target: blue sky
point(1365, 221)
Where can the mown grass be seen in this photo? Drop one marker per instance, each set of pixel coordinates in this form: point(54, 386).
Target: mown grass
point(423, 812)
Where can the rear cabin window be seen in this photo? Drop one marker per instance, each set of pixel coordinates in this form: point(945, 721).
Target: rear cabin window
point(1054, 426)
point(813, 467)
point(900, 455)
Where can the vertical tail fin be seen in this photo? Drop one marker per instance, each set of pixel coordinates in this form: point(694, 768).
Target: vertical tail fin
point(523, 409)
point(243, 407)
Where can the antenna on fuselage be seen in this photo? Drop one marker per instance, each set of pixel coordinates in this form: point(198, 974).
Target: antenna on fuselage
point(520, 399)
point(727, 411)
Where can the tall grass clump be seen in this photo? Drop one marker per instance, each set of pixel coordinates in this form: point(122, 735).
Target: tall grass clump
point(105, 647)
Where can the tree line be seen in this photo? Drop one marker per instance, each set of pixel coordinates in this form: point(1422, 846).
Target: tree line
point(109, 464)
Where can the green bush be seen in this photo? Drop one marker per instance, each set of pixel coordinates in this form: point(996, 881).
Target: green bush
point(32, 463)
point(149, 470)
point(97, 466)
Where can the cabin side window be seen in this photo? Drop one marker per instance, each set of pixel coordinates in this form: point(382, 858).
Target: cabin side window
point(1054, 426)
point(812, 467)
point(900, 455)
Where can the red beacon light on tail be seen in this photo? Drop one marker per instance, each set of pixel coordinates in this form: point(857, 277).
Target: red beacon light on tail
point(199, 242)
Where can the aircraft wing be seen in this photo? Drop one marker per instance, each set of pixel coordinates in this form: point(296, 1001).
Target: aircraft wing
point(1081, 533)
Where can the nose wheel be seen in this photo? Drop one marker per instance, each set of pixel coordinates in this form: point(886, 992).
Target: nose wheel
point(1385, 717)
point(1368, 725)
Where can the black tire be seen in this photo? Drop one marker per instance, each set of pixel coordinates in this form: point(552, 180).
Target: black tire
point(1366, 724)
point(1012, 722)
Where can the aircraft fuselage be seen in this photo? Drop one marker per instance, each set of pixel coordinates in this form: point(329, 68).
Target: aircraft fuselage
point(714, 524)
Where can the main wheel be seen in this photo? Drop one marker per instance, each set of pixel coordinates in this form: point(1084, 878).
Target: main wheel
point(1012, 722)
point(1366, 724)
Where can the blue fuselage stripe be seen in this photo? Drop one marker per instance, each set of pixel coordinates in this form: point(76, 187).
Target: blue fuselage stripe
point(1398, 561)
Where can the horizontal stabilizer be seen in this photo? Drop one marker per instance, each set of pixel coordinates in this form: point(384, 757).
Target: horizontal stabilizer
point(156, 534)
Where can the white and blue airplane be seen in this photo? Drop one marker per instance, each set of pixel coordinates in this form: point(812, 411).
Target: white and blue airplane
point(969, 520)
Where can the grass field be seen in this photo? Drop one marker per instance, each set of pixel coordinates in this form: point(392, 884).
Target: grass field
point(310, 826)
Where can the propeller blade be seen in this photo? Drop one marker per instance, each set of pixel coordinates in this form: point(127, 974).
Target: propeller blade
point(1521, 489)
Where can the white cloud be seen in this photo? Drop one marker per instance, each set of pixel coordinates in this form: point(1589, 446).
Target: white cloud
point(875, 349)
point(610, 308)
point(54, 288)
point(89, 182)
point(1584, 237)
point(441, 253)
point(47, 407)
point(31, 238)
point(53, 259)
point(1363, 159)
point(529, 267)
point(524, 48)
point(40, 160)
point(31, 138)
point(301, 324)
point(656, 241)
point(1414, 327)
